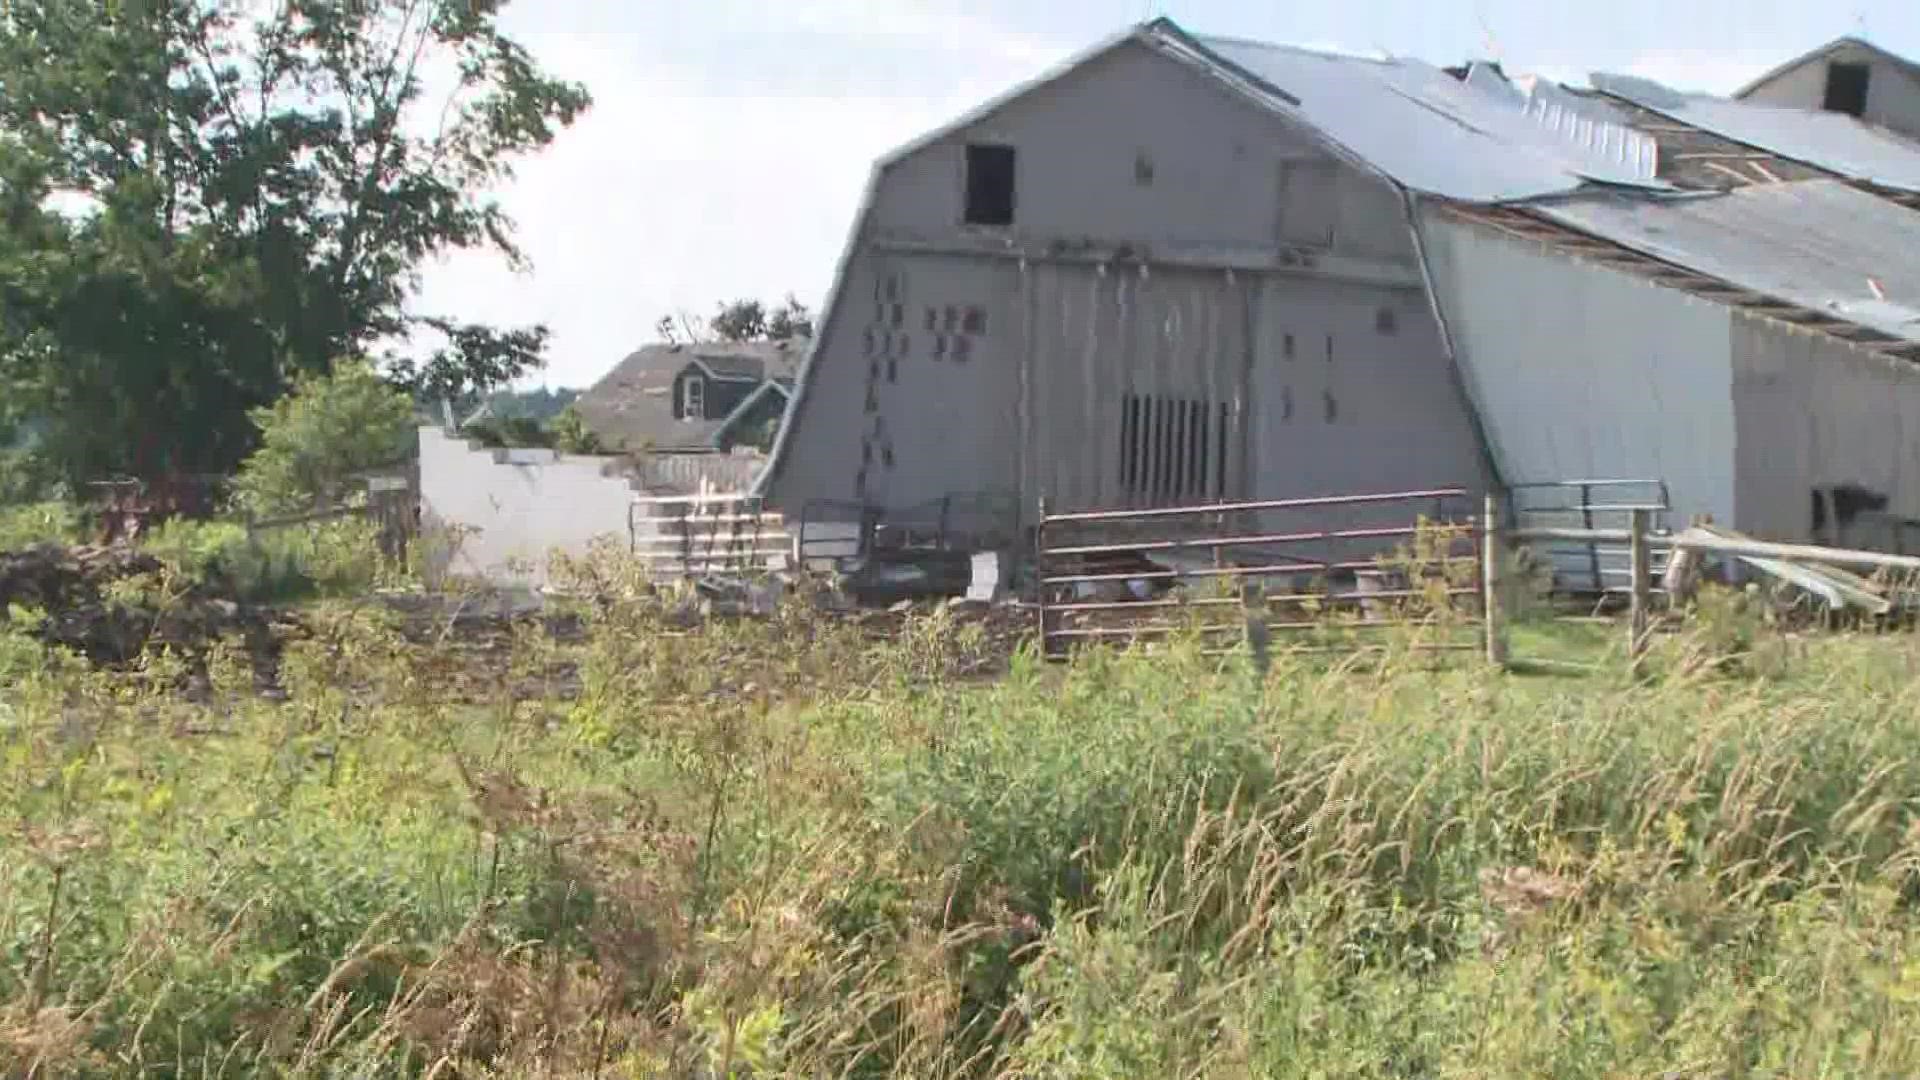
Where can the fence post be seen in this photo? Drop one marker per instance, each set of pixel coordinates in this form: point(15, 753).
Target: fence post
point(1492, 548)
point(1040, 574)
point(1642, 591)
point(1253, 603)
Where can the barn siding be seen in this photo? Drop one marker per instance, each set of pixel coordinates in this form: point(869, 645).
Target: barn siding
point(1579, 371)
point(1893, 95)
point(1172, 338)
point(1037, 410)
point(1365, 403)
point(1218, 167)
point(1815, 412)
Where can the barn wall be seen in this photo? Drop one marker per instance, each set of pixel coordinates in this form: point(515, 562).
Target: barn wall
point(1579, 371)
point(1219, 167)
point(899, 414)
point(1174, 341)
point(1038, 407)
point(1893, 95)
point(1813, 412)
point(1352, 393)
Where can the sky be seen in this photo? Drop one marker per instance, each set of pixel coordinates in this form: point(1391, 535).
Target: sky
point(730, 139)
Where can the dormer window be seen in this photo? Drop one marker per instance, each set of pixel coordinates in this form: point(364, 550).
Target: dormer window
point(1847, 88)
point(693, 398)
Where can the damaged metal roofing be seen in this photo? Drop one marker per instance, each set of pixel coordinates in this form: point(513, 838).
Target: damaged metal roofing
point(1819, 244)
point(1476, 140)
point(1833, 141)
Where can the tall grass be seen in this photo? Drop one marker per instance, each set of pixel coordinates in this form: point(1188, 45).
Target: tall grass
point(799, 847)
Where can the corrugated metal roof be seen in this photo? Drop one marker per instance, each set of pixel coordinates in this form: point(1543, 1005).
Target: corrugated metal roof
point(1833, 141)
point(1820, 244)
point(1479, 141)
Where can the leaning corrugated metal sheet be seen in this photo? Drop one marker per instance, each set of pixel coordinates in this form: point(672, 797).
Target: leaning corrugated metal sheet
point(1830, 140)
point(1580, 370)
point(1817, 243)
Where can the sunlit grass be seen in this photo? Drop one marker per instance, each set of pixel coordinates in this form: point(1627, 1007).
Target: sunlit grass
point(797, 847)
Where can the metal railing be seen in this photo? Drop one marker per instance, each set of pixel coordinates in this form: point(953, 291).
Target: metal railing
point(1596, 572)
point(696, 535)
point(1253, 568)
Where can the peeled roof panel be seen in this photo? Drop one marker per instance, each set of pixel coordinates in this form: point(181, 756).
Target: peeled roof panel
point(1433, 133)
point(1834, 141)
point(1819, 244)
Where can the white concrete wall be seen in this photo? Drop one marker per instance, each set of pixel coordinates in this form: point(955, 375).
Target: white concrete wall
point(518, 506)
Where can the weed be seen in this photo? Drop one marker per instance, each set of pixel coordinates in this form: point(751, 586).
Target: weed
point(804, 845)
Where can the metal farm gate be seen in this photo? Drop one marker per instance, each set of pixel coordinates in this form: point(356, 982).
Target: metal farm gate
point(1334, 569)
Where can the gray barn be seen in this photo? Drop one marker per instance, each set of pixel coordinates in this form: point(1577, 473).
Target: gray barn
point(1185, 269)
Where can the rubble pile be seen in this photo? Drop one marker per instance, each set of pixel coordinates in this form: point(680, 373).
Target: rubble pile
point(73, 588)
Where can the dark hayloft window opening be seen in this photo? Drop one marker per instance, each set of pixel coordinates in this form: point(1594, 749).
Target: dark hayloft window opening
point(1847, 88)
point(1172, 450)
point(990, 185)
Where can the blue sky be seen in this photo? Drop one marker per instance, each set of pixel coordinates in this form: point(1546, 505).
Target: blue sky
point(730, 138)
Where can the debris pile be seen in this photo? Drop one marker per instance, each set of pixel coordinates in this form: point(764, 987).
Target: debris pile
point(74, 589)
point(1809, 578)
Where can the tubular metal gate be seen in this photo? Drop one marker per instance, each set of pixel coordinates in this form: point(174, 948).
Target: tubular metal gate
point(1342, 563)
point(1597, 572)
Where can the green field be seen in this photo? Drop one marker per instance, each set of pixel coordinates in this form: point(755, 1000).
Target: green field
point(812, 847)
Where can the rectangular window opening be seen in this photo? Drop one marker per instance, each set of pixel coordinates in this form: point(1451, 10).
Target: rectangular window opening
point(1847, 88)
point(693, 399)
point(990, 172)
point(1173, 451)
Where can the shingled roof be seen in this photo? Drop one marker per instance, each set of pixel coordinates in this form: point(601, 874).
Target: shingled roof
point(632, 405)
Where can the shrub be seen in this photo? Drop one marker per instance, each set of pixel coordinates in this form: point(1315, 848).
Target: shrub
point(38, 523)
point(315, 438)
point(329, 558)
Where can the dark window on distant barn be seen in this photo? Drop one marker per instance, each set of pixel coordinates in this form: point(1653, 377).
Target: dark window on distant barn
point(1172, 450)
point(989, 185)
point(1847, 88)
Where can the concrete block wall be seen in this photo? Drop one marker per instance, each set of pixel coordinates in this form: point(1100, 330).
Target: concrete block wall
point(518, 506)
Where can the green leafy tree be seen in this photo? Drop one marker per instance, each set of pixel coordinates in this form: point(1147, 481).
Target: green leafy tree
point(749, 320)
point(790, 320)
point(572, 435)
point(742, 320)
point(201, 200)
point(314, 440)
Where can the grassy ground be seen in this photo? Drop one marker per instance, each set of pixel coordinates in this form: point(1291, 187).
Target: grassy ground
point(788, 849)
